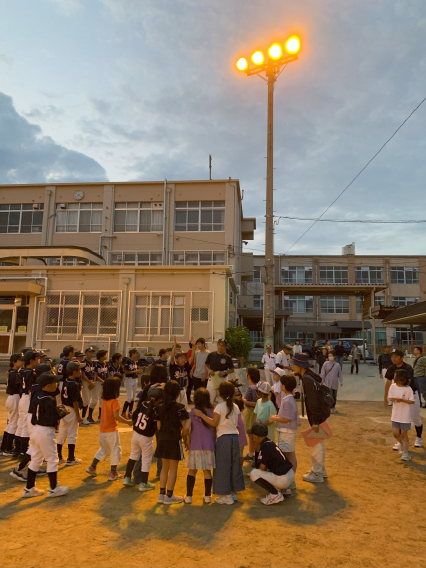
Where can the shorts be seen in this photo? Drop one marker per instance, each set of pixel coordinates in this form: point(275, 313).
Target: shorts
point(169, 450)
point(286, 440)
point(248, 417)
point(401, 425)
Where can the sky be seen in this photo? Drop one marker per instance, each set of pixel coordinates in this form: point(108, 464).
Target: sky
point(120, 90)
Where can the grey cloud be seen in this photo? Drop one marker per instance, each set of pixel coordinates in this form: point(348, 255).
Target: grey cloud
point(5, 59)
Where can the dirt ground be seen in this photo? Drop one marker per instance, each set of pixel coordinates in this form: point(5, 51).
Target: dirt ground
point(370, 511)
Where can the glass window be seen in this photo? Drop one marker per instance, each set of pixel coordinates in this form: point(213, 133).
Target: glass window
point(79, 218)
point(403, 300)
point(256, 275)
point(403, 336)
point(368, 275)
point(299, 304)
point(25, 218)
point(334, 304)
point(404, 275)
point(379, 300)
point(200, 216)
point(144, 217)
point(296, 275)
point(258, 302)
point(334, 275)
point(195, 258)
point(133, 258)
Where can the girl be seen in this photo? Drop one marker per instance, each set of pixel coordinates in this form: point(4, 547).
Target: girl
point(144, 427)
point(331, 373)
point(250, 400)
point(108, 434)
point(171, 417)
point(13, 389)
point(201, 446)
point(401, 395)
point(266, 407)
point(228, 478)
point(297, 348)
point(322, 357)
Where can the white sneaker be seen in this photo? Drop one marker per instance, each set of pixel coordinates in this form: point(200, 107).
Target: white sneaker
point(188, 499)
point(234, 496)
point(85, 422)
point(207, 498)
point(324, 474)
point(286, 492)
point(272, 499)
point(173, 499)
point(397, 447)
point(75, 461)
point(58, 491)
point(406, 457)
point(418, 443)
point(62, 461)
point(313, 477)
point(224, 500)
point(33, 492)
point(160, 498)
point(293, 485)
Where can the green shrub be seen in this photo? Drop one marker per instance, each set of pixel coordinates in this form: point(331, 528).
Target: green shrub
point(238, 341)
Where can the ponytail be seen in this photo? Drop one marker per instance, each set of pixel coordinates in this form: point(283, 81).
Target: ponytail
point(227, 393)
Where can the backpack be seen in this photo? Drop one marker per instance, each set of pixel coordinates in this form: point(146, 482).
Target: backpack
point(324, 396)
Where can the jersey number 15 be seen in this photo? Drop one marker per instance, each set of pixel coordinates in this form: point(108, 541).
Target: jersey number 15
point(141, 422)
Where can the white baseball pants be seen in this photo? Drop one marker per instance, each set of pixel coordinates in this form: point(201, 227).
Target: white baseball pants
point(142, 446)
point(278, 481)
point(268, 377)
point(110, 446)
point(131, 386)
point(12, 405)
point(182, 399)
point(96, 395)
point(212, 391)
point(86, 393)
point(68, 428)
point(24, 405)
point(415, 411)
point(43, 445)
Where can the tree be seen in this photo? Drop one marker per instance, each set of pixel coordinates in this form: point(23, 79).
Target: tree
point(238, 341)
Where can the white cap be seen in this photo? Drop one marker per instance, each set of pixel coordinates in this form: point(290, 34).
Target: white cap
point(279, 371)
point(264, 388)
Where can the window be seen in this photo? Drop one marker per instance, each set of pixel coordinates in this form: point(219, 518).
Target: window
point(21, 218)
point(138, 217)
point(404, 275)
point(199, 314)
point(299, 304)
point(256, 275)
point(358, 305)
point(379, 301)
point(296, 275)
point(403, 301)
point(303, 337)
point(403, 336)
point(368, 275)
point(333, 274)
point(257, 302)
point(200, 216)
point(196, 258)
point(124, 258)
point(334, 304)
point(64, 261)
point(159, 315)
point(256, 337)
point(79, 218)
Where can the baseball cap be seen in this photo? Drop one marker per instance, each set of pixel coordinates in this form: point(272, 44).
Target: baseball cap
point(222, 340)
point(16, 357)
point(48, 378)
point(258, 430)
point(270, 347)
point(180, 354)
point(44, 368)
point(30, 355)
point(74, 366)
point(78, 354)
point(89, 349)
point(398, 352)
point(264, 387)
point(288, 347)
point(279, 371)
point(156, 391)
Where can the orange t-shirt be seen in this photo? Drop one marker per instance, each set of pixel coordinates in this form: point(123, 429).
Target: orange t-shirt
point(108, 422)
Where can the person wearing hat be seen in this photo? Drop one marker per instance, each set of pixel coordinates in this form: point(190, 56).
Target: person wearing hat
point(180, 370)
point(273, 470)
point(88, 382)
point(317, 412)
point(66, 356)
point(45, 418)
point(277, 373)
point(28, 379)
point(268, 361)
point(397, 358)
point(265, 407)
point(218, 366)
point(13, 390)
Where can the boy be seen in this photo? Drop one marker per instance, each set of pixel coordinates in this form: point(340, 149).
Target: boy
point(45, 419)
point(273, 471)
point(28, 379)
point(180, 369)
point(71, 399)
point(101, 373)
point(115, 367)
point(13, 390)
point(163, 358)
point(130, 381)
point(88, 381)
point(68, 354)
point(199, 373)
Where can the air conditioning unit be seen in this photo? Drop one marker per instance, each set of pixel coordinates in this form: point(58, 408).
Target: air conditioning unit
point(62, 206)
point(36, 206)
point(157, 206)
point(114, 300)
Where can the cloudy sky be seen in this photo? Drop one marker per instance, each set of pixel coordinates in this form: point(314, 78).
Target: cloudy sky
point(146, 89)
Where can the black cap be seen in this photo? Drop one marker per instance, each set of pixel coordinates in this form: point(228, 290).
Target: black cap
point(180, 354)
point(222, 340)
point(16, 357)
point(47, 379)
point(30, 355)
point(89, 349)
point(43, 368)
point(78, 354)
point(258, 430)
point(74, 366)
point(398, 352)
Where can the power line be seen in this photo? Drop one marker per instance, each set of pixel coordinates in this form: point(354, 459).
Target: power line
point(358, 174)
point(348, 220)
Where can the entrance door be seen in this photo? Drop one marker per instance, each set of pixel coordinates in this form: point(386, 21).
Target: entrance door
point(7, 328)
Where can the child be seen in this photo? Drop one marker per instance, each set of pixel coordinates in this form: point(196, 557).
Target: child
point(108, 434)
point(131, 372)
point(88, 376)
point(45, 418)
point(68, 426)
point(180, 370)
point(277, 373)
point(228, 479)
point(171, 417)
point(144, 427)
point(28, 379)
point(242, 437)
point(266, 407)
point(13, 390)
point(331, 373)
point(250, 400)
point(116, 368)
point(201, 446)
point(401, 395)
point(101, 374)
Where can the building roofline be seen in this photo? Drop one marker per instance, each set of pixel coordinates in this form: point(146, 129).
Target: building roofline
point(99, 183)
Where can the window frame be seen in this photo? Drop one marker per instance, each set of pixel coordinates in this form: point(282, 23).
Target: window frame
point(24, 208)
point(369, 271)
point(334, 271)
point(395, 274)
point(296, 270)
point(334, 299)
point(124, 206)
point(79, 208)
point(299, 302)
point(199, 225)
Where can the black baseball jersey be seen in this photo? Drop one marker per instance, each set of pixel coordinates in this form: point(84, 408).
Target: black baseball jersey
point(390, 373)
point(36, 390)
point(170, 420)
point(219, 362)
point(28, 379)
point(180, 374)
point(70, 393)
point(272, 458)
point(101, 369)
point(44, 410)
point(62, 367)
point(115, 370)
point(142, 423)
point(130, 365)
point(89, 369)
point(13, 383)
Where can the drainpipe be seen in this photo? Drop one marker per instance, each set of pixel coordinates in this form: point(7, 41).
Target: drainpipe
point(165, 221)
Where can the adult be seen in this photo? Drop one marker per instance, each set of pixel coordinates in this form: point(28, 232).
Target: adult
point(328, 345)
point(218, 366)
point(355, 355)
point(317, 410)
point(397, 358)
point(331, 374)
point(199, 373)
point(340, 353)
point(282, 358)
point(322, 358)
point(419, 369)
point(297, 348)
point(385, 361)
point(314, 355)
point(269, 365)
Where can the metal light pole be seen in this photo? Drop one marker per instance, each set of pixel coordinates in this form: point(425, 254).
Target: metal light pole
point(272, 67)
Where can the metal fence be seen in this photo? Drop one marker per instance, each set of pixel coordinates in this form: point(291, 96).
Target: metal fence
point(158, 316)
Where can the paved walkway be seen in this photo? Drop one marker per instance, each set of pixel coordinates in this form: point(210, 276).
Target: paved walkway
point(367, 386)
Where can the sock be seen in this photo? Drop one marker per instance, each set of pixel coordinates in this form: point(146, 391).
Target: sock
point(95, 462)
point(144, 476)
point(83, 412)
point(31, 478)
point(15, 444)
point(91, 413)
point(190, 482)
point(4, 442)
point(59, 448)
point(53, 478)
point(208, 487)
point(131, 406)
point(24, 461)
point(162, 490)
point(71, 452)
point(125, 407)
point(129, 468)
point(169, 492)
point(100, 412)
point(114, 469)
point(24, 445)
point(266, 485)
point(419, 431)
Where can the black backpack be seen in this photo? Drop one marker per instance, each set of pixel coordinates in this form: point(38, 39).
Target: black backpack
point(324, 396)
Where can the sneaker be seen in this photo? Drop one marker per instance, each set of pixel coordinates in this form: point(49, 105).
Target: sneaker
point(173, 499)
point(33, 492)
point(16, 474)
point(207, 498)
point(85, 422)
point(61, 461)
point(418, 443)
point(224, 500)
point(234, 496)
point(127, 481)
point(146, 486)
point(91, 421)
point(406, 457)
point(323, 472)
point(161, 498)
point(248, 457)
point(397, 447)
point(91, 470)
point(75, 461)
point(286, 492)
point(188, 499)
point(313, 477)
point(114, 476)
point(98, 419)
point(58, 491)
point(272, 499)
point(123, 415)
point(8, 453)
point(129, 416)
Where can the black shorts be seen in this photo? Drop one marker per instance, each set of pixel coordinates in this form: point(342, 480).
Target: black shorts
point(169, 450)
point(198, 383)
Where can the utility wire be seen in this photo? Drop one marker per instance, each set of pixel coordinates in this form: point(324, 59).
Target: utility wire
point(348, 220)
point(358, 174)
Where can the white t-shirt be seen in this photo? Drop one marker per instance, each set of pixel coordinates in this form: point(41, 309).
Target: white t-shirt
point(200, 361)
point(226, 425)
point(269, 361)
point(297, 348)
point(284, 360)
point(401, 411)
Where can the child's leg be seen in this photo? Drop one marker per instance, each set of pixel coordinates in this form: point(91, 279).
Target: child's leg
point(397, 434)
point(135, 454)
point(115, 450)
point(405, 443)
point(147, 446)
point(250, 444)
point(208, 481)
point(291, 456)
point(190, 482)
point(164, 476)
point(171, 480)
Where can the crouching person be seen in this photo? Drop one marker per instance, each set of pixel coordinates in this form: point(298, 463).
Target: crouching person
point(273, 470)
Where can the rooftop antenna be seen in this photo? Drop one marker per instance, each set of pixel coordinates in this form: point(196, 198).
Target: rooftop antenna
point(210, 166)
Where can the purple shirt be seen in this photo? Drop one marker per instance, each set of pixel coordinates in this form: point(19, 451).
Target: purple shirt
point(202, 438)
point(251, 394)
point(289, 410)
